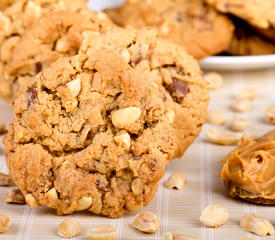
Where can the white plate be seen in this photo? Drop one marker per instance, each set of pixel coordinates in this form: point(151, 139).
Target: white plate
point(231, 63)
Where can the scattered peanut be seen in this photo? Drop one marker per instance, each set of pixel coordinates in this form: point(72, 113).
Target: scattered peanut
point(222, 137)
point(246, 92)
point(239, 124)
point(214, 216)
point(4, 223)
point(270, 115)
point(241, 105)
point(214, 79)
point(70, 227)
point(256, 224)
point(84, 203)
point(170, 236)
point(14, 196)
point(146, 221)
point(123, 140)
point(246, 238)
point(31, 201)
point(52, 194)
point(216, 118)
point(103, 232)
point(176, 181)
point(5, 180)
point(125, 117)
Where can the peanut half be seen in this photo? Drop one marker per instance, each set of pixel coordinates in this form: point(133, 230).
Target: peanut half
point(222, 137)
point(246, 93)
point(241, 105)
point(216, 118)
point(214, 79)
point(125, 117)
point(103, 232)
point(4, 223)
point(270, 115)
point(214, 216)
point(239, 123)
point(70, 227)
point(176, 181)
point(146, 221)
point(170, 236)
point(256, 224)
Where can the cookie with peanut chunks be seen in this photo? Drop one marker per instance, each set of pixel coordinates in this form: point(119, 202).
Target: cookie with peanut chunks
point(16, 17)
point(90, 133)
point(167, 65)
point(257, 13)
point(199, 28)
point(57, 35)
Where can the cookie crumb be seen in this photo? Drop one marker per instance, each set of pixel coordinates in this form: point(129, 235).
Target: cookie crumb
point(14, 196)
point(5, 180)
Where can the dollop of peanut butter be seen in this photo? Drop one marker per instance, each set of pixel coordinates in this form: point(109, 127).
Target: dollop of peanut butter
point(249, 171)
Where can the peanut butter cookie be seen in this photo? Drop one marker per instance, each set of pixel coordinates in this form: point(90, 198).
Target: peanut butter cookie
point(248, 171)
point(258, 13)
point(90, 133)
point(56, 35)
point(247, 42)
point(168, 65)
point(19, 16)
point(191, 24)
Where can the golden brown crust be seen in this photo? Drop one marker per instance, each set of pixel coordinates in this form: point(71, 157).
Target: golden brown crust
point(71, 137)
point(191, 24)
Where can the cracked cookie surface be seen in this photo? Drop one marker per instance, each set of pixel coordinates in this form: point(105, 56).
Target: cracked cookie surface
point(56, 35)
point(19, 16)
point(169, 66)
point(191, 24)
point(90, 133)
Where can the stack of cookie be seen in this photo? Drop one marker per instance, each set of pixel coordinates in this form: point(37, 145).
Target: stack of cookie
point(99, 111)
point(205, 27)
